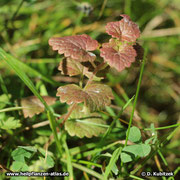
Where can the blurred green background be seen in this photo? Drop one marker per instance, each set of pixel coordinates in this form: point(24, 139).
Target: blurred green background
point(26, 26)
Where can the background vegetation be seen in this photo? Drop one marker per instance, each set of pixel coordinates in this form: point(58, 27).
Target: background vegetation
point(26, 26)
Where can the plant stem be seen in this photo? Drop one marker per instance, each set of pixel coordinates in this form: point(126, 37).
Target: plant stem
point(69, 158)
point(162, 157)
point(95, 71)
point(127, 8)
point(11, 109)
point(85, 169)
point(165, 127)
point(53, 127)
point(68, 114)
point(115, 119)
point(81, 81)
point(136, 97)
point(87, 163)
point(135, 177)
point(135, 100)
point(75, 104)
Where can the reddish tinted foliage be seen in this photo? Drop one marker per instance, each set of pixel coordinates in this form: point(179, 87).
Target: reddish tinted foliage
point(32, 105)
point(118, 54)
point(71, 67)
point(76, 47)
point(125, 29)
point(95, 96)
point(70, 94)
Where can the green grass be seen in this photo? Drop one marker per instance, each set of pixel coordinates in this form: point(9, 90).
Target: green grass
point(146, 95)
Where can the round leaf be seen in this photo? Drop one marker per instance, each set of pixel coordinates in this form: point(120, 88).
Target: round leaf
point(141, 150)
point(125, 157)
point(134, 135)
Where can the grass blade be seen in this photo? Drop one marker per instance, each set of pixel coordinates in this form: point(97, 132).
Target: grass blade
point(33, 72)
point(135, 100)
point(115, 119)
point(113, 160)
point(136, 96)
point(68, 155)
point(85, 169)
point(12, 63)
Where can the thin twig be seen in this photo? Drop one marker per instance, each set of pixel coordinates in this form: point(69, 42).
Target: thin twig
point(67, 79)
point(68, 114)
point(41, 124)
point(152, 24)
point(4, 168)
point(161, 33)
point(94, 73)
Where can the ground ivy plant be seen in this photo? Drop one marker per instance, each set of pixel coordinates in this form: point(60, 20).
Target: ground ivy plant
point(86, 99)
point(90, 96)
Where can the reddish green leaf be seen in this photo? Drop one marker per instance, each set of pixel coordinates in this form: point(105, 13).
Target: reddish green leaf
point(125, 29)
point(95, 96)
point(76, 47)
point(118, 54)
point(83, 123)
point(32, 105)
point(71, 67)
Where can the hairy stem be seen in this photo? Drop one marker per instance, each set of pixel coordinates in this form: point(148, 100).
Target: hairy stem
point(81, 81)
point(68, 114)
point(95, 71)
